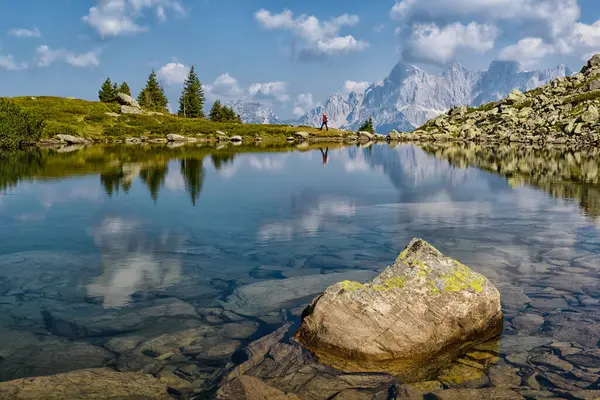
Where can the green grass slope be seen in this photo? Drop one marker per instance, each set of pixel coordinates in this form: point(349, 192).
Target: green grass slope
point(90, 119)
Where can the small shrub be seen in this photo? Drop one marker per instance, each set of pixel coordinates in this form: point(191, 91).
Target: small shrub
point(17, 126)
point(54, 128)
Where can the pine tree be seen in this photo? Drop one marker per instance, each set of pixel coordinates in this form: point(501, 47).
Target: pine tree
point(125, 89)
point(153, 96)
point(230, 115)
point(105, 94)
point(192, 98)
point(216, 111)
point(368, 126)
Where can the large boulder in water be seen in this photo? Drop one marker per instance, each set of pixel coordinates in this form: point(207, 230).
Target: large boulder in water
point(416, 316)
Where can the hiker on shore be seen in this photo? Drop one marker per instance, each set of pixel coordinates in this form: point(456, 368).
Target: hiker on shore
point(324, 124)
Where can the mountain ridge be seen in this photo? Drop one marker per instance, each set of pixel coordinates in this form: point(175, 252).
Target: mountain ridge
point(409, 96)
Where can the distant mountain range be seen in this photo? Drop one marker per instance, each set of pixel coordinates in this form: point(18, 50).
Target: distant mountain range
point(409, 96)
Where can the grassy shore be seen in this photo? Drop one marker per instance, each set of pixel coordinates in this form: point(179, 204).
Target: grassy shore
point(93, 120)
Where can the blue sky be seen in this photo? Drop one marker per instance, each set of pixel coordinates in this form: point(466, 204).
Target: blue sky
point(287, 54)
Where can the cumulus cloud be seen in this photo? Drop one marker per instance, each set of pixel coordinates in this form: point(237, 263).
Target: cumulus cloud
point(269, 91)
point(356, 87)
point(430, 43)
point(225, 87)
point(22, 32)
point(173, 73)
point(314, 39)
point(120, 17)
point(528, 48)
point(547, 27)
point(304, 102)
point(9, 63)
point(46, 56)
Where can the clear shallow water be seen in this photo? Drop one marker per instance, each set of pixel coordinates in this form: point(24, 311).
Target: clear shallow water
point(105, 248)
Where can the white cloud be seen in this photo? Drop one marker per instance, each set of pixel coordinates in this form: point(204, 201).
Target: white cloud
point(528, 48)
point(46, 56)
point(317, 38)
point(304, 102)
point(226, 87)
point(269, 91)
point(548, 27)
point(431, 43)
point(379, 28)
point(119, 17)
point(22, 32)
point(173, 73)
point(356, 87)
point(8, 62)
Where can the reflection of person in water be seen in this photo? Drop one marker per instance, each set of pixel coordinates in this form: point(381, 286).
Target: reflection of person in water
point(324, 154)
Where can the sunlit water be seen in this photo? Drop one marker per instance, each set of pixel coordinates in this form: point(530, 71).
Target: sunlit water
point(101, 243)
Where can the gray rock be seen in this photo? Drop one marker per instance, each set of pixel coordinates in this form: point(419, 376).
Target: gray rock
point(589, 359)
point(394, 135)
point(519, 344)
point(172, 137)
point(473, 394)
point(527, 324)
point(130, 110)
point(594, 85)
point(272, 295)
point(365, 136)
point(590, 115)
point(250, 388)
point(86, 384)
point(236, 138)
point(504, 376)
point(302, 136)
point(69, 139)
point(126, 100)
point(436, 301)
point(551, 361)
point(516, 96)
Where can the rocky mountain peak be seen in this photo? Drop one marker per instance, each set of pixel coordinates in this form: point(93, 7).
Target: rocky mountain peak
point(565, 110)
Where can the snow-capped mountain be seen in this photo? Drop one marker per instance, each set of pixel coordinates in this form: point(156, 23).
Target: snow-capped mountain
point(409, 96)
point(254, 113)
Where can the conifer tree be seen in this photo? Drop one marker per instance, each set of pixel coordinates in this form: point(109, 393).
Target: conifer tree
point(153, 96)
point(368, 126)
point(125, 89)
point(192, 98)
point(230, 116)
point(216, 111)
point(106, 94)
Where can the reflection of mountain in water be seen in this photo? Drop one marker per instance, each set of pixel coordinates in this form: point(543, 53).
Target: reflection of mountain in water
point(563, 173)
point(419, 177)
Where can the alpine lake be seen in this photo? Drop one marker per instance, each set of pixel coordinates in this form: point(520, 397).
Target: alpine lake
point(110, 254)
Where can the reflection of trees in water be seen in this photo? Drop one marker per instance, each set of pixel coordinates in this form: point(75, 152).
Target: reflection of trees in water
point(561, 172)
point(219, 160)
point(154, 177)
point(16, 166)
point(192, 170)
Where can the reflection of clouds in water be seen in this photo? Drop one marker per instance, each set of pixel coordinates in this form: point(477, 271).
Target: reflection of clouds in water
point(31, 217)
point(50, 195)
point(174, 180)
point(355, 160)
point(130, 263)
point(311, 220)
point(267, 163)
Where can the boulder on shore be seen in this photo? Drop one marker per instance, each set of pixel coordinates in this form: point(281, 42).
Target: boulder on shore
point(302, 136)
point(70, 139)
point(126, 100)
point(365, 136)
point(130, 110)
point(172, 137)
point(414, 318)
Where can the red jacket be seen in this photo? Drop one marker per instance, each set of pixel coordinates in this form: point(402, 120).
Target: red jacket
point(324, 118)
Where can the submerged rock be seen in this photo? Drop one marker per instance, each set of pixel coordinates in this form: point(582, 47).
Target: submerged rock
point(86, 384)
point(249, 388)
point(416, 316)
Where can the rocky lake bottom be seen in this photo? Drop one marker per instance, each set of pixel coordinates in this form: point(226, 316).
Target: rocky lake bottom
point(171, 262)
